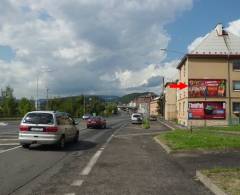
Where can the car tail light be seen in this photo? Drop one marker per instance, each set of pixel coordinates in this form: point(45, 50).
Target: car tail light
point(23, 128)
point(52, 129)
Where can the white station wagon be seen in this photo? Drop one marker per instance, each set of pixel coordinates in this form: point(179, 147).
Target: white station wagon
point(47, 127)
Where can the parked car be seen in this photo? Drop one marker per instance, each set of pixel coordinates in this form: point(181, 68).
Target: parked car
point(96, 122)
point(47, 127)
point(136, 118)
point(86, 116)
point(153, 118)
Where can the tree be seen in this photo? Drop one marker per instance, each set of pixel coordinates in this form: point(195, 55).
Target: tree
point(9, 104)
point(25, 106)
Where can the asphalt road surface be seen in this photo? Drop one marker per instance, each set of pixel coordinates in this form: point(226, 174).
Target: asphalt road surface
point(122, 159)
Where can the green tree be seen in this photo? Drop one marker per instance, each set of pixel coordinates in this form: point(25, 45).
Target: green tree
point(9, 104)
point(25, 106)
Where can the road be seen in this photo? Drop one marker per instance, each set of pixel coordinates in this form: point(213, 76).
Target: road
point(122, 159)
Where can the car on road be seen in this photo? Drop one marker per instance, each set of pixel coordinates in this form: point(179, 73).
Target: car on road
point(153, 118)
point(86, 116)
point(96, 122)
point(47, 127)
point(136, 118)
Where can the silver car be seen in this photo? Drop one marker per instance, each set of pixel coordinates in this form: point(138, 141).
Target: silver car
point(47, 127)
point(136, 118)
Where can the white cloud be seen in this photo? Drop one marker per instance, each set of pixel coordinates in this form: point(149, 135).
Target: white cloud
point(92, 46)
point(196, 42)
point(132, 79)
point(234, 27)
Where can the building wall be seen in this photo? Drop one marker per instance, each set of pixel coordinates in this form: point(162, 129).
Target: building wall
point(154, 107)
point(206, 68)
point(170, 104)
point(182, 95)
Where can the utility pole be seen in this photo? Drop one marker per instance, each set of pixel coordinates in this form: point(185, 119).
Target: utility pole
point(47, 99)
point(84, 105)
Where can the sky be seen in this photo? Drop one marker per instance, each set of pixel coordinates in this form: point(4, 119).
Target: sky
point(102, 47)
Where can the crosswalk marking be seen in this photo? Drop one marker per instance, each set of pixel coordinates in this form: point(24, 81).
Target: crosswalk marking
point(9, 144)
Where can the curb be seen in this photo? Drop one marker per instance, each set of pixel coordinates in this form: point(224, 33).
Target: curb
point(164, 146)
point(209, 184)
point(167, 125)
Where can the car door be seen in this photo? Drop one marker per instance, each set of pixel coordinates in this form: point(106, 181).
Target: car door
point(72, 127)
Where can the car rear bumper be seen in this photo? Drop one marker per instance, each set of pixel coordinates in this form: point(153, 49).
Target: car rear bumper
point(38, 139)
point(94, 125)
point(136, 122)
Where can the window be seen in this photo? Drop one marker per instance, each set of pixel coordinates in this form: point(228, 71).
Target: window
point(236, 85)
point(183, 107)
point(236, 65)
point(39, 118)
point(236, 107)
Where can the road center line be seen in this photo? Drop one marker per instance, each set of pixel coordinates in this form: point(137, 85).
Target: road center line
point(96, 156)
point(92, 162)
point(77, 183)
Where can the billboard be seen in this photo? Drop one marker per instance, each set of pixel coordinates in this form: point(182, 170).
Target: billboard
point(198, 88)
point(206, 110)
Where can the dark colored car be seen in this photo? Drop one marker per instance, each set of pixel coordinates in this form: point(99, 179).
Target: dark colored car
point(96, 122)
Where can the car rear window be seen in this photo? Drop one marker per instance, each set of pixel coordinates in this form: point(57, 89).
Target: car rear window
point(38, 118)
point(136, 115)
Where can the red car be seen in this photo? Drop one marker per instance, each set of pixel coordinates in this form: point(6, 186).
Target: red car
point(96, 122)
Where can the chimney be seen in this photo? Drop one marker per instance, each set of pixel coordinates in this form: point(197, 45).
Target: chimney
point(219, 29)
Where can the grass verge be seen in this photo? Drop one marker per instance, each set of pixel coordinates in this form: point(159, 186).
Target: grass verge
point(199, 139)
point(226, 179)
point(224, 128)
point(146, 123)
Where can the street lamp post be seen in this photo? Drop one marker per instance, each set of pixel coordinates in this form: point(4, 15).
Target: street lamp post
point(38, 74)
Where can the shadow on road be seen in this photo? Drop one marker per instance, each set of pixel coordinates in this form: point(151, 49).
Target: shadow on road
point(69, 147)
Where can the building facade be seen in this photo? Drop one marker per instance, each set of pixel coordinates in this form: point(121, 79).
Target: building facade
point(212, 72)
point(154, 107)
point(170, 111)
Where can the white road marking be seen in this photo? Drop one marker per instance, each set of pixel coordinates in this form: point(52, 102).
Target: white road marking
point(3, 151)
point(92, 162)
point(70, 194)
point(3, 124)
point(77, 183)
point(7, 139)
point(138, 134)
point(96, 156)
point(9, 144)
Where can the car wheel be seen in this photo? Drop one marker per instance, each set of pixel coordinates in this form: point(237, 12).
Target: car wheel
point(61, 143)
point(25, 145)
point(76, 136)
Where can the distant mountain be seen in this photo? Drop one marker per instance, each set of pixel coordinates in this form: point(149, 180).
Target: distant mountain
point(105, 98)
point(129, 97)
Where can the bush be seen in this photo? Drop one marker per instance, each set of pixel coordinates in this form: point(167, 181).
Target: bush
point(146, 123)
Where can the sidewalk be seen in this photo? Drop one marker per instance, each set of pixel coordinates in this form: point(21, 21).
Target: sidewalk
point(172, 125)
point(133, 164)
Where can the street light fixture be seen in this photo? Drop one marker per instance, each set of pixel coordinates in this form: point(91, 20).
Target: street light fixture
point(38, 74)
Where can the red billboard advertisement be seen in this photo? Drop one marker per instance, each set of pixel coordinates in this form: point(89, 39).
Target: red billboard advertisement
point(206, 88)
point(206, 110)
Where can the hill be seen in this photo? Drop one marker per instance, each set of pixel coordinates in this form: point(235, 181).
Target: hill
point(129, 97)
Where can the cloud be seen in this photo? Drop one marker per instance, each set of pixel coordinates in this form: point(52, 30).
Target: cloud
point(196, 42)
point(234, 27)
point(97, 47)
